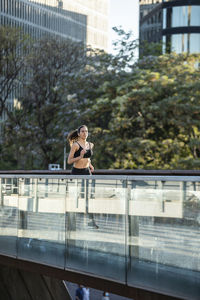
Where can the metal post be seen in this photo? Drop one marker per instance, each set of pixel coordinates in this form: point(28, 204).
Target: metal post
point(1, 194)
point(64, 158)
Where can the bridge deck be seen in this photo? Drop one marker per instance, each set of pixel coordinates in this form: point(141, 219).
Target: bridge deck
point(128, 234)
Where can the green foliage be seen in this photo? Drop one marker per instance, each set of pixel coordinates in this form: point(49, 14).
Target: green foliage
point(154, 122)
point(52, 68)
point(13, 49)
point(150, 49)
point(140, 114)
point(125, 48)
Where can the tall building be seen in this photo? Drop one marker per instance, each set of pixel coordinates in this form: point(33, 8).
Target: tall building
point(181, 25)
point(174, 22)
point(150, 20)
point(80, 20)
point(97, 19)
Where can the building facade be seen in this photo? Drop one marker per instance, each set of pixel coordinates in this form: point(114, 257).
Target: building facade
point(181, 25)
point(96, 12)
point(150, 21)
point(37, 19)
point(174, 22)
point(80, 20)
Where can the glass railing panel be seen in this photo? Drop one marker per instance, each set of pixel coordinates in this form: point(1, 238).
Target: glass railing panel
point(42, 220)
point(164, 237)
point(96, 225)
point(8, 215)
point(143, 232)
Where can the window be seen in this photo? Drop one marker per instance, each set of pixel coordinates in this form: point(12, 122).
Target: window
point(179, 16)
point(177, 43)
point(164, 18)
point(194, 42)
point(195, 15)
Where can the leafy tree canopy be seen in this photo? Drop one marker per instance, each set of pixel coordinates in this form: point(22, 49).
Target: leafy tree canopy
point(141, 113)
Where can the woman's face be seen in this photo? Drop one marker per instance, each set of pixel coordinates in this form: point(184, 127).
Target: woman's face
point(83, 133)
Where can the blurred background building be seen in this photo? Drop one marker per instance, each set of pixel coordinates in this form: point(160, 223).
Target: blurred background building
point(96, 12)
point(150, 21)
point(174, 22)
point(181, 25)
point(80, 20)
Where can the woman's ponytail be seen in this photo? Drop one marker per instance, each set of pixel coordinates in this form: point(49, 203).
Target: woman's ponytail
point(72, 136)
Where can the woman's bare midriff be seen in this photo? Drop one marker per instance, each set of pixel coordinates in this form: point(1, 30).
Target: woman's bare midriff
point(82, 163)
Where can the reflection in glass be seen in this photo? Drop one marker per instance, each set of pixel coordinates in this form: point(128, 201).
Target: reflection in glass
point(96, 227)
point(42, 218)
point(179, 16)
point(164, 18)
point(182, 16)
point(140, 231)
point(185, 43)
point(195, 43)
point(8, 215)
point(177, 44)
point(195, 15)
point(164, 220)
point(164, 44)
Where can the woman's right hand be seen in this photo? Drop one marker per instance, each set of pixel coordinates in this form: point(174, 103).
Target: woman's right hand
point(82, 153)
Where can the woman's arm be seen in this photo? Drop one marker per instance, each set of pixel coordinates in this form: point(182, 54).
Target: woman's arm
point(90, 163)
point(71, 159)
point(91, 166)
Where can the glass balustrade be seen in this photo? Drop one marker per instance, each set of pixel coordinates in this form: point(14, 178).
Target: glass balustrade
point(138, 230)
point(42, 220)
point(164, 236)
point(8, 216)
point(96, 227)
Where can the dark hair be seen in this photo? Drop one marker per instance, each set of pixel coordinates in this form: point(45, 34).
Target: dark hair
point(73, 135)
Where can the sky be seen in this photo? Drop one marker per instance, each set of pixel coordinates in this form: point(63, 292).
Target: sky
point(126, 14)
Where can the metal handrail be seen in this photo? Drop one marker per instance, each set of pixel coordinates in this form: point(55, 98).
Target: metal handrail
point(109, 172)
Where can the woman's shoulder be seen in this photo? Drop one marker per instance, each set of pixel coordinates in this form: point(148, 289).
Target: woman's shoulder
point(91, 144)
point(75, 145)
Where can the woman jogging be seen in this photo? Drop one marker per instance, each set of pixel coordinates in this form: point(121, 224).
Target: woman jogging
point(80, 156)
point(81, 152)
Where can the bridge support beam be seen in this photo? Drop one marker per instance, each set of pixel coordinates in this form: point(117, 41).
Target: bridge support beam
point(49, 275)
point(18, 284)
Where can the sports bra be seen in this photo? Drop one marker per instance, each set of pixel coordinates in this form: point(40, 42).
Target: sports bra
point(88, 153)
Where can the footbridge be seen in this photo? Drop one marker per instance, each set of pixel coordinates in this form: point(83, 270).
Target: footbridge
point(131, 233)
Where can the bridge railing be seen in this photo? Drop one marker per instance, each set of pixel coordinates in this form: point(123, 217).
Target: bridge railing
point(141, 230)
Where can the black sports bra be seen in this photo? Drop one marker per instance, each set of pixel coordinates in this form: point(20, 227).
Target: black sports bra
point(88, 153)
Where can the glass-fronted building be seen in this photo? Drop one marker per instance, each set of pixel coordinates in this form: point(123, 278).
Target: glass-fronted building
point(174, 22)
point(97, 19)
point(150, 21)
point(181, 25)
point(80, 20)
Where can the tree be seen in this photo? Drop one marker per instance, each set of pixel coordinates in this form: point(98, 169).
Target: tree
point(125, 48)
point(13, 49)
point(52, 66)
point(141, 115)
point(154, 122)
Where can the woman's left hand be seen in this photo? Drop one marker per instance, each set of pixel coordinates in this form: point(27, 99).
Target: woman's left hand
point(91, 168)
